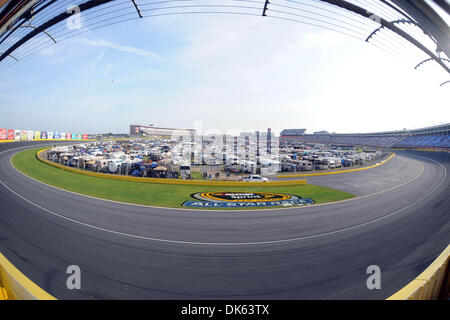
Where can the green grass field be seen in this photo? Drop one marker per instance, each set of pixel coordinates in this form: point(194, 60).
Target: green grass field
point(161, 195)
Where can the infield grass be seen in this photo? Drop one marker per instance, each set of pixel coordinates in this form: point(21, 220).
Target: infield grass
point(161, 195)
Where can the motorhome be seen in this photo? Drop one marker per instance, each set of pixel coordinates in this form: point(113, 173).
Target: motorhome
point(248, 167)
point(233, 160)
point(305, 165)
point(321, 163)
point(114, 165)
point(332, 163)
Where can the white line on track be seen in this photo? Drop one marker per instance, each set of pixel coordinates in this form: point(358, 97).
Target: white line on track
point(236, 243)
point(27, 146)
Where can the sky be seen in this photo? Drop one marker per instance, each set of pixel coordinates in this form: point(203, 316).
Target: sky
point(231, 73)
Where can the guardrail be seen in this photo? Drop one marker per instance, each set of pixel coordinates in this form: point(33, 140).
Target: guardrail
point(14, 285)
point(430, 283)
point(172, 181)
point(334, 172)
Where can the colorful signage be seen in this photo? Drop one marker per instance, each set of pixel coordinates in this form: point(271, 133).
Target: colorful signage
point(241, 196)
point(10, 134)
point(245, 199)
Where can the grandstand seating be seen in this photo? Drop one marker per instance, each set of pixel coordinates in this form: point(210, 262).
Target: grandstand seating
point(439, 141)
point(374, 141)
point(434, 137)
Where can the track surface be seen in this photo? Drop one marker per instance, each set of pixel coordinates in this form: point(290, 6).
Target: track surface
point(401, 223)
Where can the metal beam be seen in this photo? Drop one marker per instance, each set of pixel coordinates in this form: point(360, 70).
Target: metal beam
point(396, 9)
point(47, 4)
point(12, 57)
point(402, 21)
point(137, 8)
point(444, 5)
point(19, 13)
point(367, 14)
point(265, 8)
point(61, 17)
point(429, 59)
point(34, 27)
point(421, 12)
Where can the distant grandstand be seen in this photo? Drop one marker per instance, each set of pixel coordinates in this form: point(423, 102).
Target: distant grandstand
point(138, 131)
point(292, 135)
point(435, 137)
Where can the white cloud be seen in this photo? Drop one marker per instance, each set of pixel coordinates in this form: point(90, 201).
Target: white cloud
point(115, 46)
point(97, 60)
point(108, 69)
point(49, 51)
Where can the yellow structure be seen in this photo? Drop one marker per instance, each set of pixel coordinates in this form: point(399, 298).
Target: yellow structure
point(428, 285)
point(14, 285)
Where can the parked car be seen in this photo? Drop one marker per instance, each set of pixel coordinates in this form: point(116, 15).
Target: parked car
point(255, 178)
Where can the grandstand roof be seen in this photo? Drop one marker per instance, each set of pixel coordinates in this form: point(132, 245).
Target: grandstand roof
point(438, 128)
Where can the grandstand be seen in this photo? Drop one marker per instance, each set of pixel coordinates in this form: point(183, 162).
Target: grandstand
point(139, 131)
point(435, 137)
point(291, 135)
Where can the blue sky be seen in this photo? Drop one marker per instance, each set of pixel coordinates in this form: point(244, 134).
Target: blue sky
point(234, 73)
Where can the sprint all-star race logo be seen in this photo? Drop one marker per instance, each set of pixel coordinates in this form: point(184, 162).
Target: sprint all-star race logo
point(244, 199)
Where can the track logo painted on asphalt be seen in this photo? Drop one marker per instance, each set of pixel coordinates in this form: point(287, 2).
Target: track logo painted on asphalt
point(242, 196)
point(244, 199)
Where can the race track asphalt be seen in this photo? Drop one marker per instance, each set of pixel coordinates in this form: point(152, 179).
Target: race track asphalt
point(400, 222)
